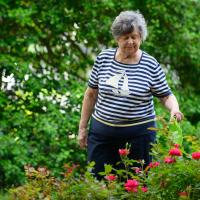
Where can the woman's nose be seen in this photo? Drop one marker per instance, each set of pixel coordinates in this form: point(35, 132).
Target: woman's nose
point(130, 40)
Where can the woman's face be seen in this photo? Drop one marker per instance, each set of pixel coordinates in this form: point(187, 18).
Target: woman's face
point(130, 42)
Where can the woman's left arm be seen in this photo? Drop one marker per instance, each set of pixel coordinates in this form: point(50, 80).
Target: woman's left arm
point(171, 103)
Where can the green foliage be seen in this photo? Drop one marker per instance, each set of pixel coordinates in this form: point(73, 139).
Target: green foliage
point(174, 37)
point(175, 178)
point(176, 133)
point(37, 131)
point(160, 180)
point(49, 45)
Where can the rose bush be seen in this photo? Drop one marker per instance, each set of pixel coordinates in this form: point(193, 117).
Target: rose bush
point(174, 174)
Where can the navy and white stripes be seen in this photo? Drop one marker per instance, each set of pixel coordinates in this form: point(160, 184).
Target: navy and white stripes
point(126, 90)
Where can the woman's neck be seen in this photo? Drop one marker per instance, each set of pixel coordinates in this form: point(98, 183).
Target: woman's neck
point(127, 58)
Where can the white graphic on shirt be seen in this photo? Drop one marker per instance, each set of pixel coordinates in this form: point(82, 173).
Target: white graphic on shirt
point(114, 82)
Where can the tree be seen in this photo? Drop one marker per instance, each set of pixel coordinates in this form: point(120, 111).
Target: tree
point(47, 46)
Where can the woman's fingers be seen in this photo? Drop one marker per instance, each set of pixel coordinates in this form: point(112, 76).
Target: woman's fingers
point(177, 115)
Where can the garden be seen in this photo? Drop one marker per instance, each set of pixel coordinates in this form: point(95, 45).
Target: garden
point(47, 51)
point(174, 175)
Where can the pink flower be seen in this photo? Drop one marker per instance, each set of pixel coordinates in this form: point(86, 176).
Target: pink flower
point(169, 160)
point(175, 152)
point(176, 145)
point(123, 152)
point(154, 164)
point(111, 177)
point(131, 185)
point(129, 189)
point(196, 155)
point(137, 170)
point(144, 189)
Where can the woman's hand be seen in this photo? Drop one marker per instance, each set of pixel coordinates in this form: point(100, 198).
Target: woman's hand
point(89, 101)
point(170, 102)
point(177, 115)
point(82, 137)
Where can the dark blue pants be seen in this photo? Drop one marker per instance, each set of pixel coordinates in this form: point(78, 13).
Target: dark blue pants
point(103, 148)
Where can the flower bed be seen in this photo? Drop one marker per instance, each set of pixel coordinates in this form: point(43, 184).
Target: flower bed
point(175, 174)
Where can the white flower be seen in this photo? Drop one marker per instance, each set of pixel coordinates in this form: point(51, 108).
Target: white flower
point(66, 76)
point(62, 111)
point(10, 80)
point(44, 108)
point(63, 101)
point(41, 96)
point(56, 77)
point(26, 77)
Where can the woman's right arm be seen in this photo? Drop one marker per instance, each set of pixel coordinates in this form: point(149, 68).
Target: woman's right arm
point(89, 101)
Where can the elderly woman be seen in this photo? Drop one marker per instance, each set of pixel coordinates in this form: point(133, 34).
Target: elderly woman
point(119, 97)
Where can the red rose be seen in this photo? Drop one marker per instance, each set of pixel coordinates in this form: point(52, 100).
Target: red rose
point(169, 160)
point(176, 145)
point(144, 189)
point(131, 185)
point(175, 152)
point(129, 189)
point(154, 164)
point(183, 194)
point(123, 152)
point(111, 177)
point(196, 155)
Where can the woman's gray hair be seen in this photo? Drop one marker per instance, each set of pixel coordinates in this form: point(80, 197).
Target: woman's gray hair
point(127, 22)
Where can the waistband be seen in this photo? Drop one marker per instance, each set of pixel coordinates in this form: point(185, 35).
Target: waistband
point(125, 125)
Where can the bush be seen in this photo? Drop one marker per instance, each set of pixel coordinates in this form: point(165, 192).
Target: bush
point(174, 174)
point(39, 128)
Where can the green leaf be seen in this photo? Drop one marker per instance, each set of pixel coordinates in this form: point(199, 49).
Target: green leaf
point(108, 168)
point(176, 132)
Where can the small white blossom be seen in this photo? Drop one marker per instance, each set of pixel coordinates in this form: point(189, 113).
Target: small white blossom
point(41, 96)
point(63, 101)
point(62, 111)
point(66, 76)
point(26, 77)
point(72, 136)
point(54, 102)
point(10, 80)
point(44, 108)
point(76, 26)
point(56, 77)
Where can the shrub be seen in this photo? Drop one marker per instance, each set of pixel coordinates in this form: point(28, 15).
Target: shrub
point(175, 174)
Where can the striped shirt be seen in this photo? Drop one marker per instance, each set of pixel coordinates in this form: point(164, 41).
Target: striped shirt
point(125, 91)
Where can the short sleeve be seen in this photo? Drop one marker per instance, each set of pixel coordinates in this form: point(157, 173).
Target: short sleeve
point(159, 86)
point(93, 80)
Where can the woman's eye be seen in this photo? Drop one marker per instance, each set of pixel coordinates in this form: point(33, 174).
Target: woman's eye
point(134, 37)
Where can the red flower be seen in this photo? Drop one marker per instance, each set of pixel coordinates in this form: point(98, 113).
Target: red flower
point(175, 152)
point(196, 155)
point(123, 152)
point(154, 164)
point(176, 145)
point(69, 169)
point(183, 194)
point(169, 160)
point(111, 177)
point(144, 189)
point(131, 185)
point(129, 189)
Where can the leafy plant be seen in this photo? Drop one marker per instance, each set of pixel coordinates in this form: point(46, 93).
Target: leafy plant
point(174, 175)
